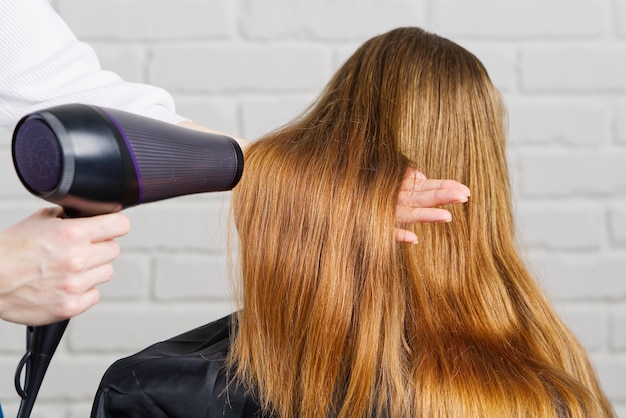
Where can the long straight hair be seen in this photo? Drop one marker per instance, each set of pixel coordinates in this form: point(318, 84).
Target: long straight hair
point(340, 320)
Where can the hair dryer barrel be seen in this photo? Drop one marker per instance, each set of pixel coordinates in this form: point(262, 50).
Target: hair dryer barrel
point(93, 160)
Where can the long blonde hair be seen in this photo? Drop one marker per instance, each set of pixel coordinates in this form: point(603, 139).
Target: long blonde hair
point(338, 319)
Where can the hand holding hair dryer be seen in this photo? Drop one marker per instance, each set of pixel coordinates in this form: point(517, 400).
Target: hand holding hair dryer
point(92, 160)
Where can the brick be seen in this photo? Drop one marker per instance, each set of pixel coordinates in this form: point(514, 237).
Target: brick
point(219, 113)
point(552, 122)
point(611, 372)
point(69, 378)
point(514, 176)
point(520, 19)
point(10, 184)
point(551, 226)
point(500, 63)
point(10, 409)
point(342, 53)
point(619, 13)
point(5, 137)
point(8, 396)
point(73, 378)
point(130, 279)
point(588, 323)
point(13, 338)
point(618, 328)
point(567, 173)
point(191, 277)
point(617, 225)
point(262, 116)
point(620, 123)
point(128, 62)
point(240, 68)
point(620, 409)
point(275, 19)
point(49, 410)
point(128, 328)
point(80, 409)
point(580, 69)
point(582, 277)
point(147, 19)
point(191, 222)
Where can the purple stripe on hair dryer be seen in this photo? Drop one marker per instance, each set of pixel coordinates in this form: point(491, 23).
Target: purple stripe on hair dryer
point(92, 160)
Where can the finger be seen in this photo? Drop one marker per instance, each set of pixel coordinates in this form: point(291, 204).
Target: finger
point(408, 215)
point(87, 300)
point(431, 198)
point(421, 185)
point(77, 305)
point(87, 258)
point(70, 287)
point(99, 254)
point(402, 235)
point(417, 181)
point(103, 227)
point(411, 172)
point(98, 275)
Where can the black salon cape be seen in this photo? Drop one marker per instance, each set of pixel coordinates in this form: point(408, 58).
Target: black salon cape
point(181, 377)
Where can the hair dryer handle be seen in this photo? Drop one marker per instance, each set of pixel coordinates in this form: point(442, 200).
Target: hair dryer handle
point(41, 343)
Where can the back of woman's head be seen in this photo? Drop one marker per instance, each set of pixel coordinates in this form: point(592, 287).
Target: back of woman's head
point(340, 320)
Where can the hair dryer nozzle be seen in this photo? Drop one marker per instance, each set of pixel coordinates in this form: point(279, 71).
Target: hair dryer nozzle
point(93, 160)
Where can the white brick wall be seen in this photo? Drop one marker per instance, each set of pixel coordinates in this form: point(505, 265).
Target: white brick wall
point(246, 67)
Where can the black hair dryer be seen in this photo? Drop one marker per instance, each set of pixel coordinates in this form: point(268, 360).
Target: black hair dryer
point(92, 160)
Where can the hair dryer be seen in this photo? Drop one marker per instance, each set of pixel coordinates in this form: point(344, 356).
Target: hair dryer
point(92, 160)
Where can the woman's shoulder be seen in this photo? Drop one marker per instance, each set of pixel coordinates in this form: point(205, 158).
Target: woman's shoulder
point(184, 376)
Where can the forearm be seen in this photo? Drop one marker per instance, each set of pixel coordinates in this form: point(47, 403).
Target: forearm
point(42, 64)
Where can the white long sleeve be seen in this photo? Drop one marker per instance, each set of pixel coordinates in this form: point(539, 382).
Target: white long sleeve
point(42, 64)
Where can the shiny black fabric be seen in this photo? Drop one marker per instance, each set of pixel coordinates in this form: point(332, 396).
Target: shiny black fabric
point(181, 377)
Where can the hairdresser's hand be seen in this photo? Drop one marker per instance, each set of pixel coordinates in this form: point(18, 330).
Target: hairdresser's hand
point(49, 266)
point(418, 198)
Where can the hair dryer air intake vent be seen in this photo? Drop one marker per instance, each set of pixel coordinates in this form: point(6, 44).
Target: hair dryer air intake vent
point(39, 154)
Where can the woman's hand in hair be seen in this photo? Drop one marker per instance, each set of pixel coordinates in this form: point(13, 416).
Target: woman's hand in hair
point(418, 198)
